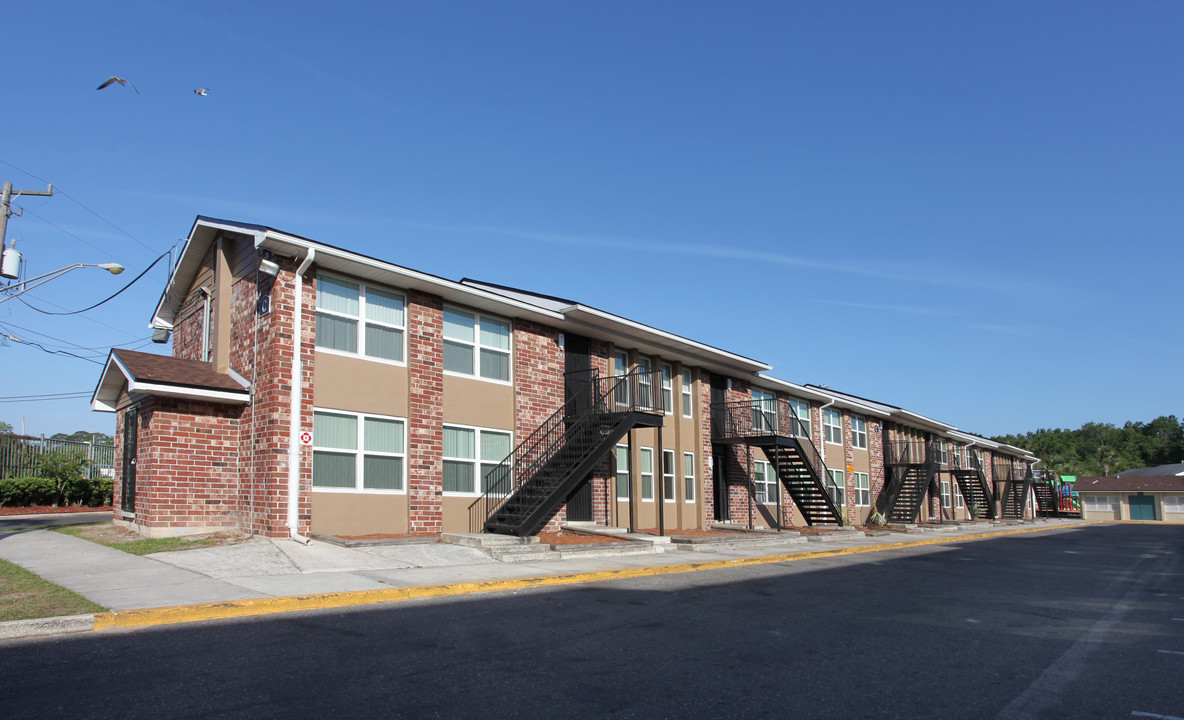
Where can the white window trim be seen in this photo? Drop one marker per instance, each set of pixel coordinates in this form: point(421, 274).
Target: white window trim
point(362, 322)
point(842, 499)
point(476, 461)
point(476, 343)
point(619, 471)
point(806, 421)
point(947, 495)
point(771, 481)
point(866, 487)
point(826, 427)
point(669, 475)
point(666, 372)
point(959, 501)
point(642, 473)
point(688, 394)
point(691, 486)
point(1174, 507)
point(360, 454)
point(857, 434)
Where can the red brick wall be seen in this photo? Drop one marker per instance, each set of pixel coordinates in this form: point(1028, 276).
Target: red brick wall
point(425, 366)
point(187, 465)
point(538, 386)
point(706, 457)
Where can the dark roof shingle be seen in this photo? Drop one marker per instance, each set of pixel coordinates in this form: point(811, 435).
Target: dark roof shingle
point(165, 370)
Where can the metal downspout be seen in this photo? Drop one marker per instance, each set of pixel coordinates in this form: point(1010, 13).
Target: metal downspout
point(294, 412)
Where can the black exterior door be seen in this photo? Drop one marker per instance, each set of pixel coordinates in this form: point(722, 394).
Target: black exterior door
point(719, 453)
point(127, 492)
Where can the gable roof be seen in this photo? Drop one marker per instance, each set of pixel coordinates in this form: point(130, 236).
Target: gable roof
point(1160, 470)
point(142, 373)
point(1126, 483)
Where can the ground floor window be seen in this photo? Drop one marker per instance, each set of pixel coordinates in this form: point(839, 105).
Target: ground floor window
point(946, 500)
point(764, 480)
point(622, 454)
point(1100, 503)
point(688, 476)
point(863, 489)
point(472, 457)
point(837, 486)
point(668, 475)
point(647, 473)
point(958, 501)
point(1173, 503)
point(353, 451)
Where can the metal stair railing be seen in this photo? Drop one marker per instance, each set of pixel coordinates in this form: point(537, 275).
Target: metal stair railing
point(588, 402)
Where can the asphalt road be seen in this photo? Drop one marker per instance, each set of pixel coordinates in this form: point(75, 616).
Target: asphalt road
point(1077, 623)
point(9, 523)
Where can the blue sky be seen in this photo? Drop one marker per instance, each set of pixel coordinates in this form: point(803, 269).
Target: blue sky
point(973, 211)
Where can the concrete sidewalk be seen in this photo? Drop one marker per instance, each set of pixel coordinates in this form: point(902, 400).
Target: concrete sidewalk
point(265, 575)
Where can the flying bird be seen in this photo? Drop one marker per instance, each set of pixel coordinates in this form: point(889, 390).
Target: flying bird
point(112, 80)
point(201, 91)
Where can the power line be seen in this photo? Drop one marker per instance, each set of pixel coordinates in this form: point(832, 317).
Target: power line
point(109, 298)
point(39, 346)
point(69, 396)
point(79, 204)
point(76, 346)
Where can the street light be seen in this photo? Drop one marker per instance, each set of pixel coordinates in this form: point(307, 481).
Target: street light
point(12, 291)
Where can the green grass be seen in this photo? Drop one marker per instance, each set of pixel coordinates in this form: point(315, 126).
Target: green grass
point(24, 595)
point(140, 546)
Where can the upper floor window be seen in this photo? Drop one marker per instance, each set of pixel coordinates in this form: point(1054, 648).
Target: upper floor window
point(764, 410)
point(359, 319)
point(832, 425)
point(802, 410)
point(858, 432)
point(476, 345)
point(668, 389)
point(943, 451)
point(688, 403)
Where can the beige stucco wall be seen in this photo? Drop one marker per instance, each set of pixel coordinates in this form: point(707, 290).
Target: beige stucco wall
point(356, 513)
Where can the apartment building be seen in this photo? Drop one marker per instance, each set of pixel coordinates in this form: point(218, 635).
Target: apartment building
point(312, 389)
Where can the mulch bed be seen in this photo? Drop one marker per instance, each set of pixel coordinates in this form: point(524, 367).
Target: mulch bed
point(567, 538)
point(45, 509)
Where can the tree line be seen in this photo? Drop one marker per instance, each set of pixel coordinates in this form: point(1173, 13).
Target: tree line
point(1104, 449)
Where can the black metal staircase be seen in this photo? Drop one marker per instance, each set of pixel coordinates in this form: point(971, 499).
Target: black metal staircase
point(1015, 493)
point(972, 482)
point(773, 427)
point(1046, 500)
point(542, 473)
point(912, 468)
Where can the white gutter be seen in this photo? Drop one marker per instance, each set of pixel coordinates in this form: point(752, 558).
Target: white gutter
point(822, 421)
point(294, 412)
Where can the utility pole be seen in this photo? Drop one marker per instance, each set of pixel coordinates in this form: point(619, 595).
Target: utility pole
point(10, 265)
point(6, 209)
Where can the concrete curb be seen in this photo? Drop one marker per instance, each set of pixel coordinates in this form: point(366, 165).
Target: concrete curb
point(47, 626)
point(264, 606)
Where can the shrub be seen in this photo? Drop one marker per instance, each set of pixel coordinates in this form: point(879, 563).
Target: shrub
point(66, 468)
point(25, 491)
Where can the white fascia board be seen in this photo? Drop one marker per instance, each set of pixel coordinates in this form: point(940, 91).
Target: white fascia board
point(769, 382)
point(188, 262)
point(921, 420)
point(360, 266)
point(106, 393)
point(978, 441)
point(659, 342)
point(849, 403)
point(179, 391)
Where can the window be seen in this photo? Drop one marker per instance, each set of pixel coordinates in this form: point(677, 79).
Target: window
point(764, 411)
point(1103, 503)
point(471, 453)
point(688, 477)
point(620, 370)
point(476, 345)
point(836, 487)
point(1173, 503)
point(357, 452)
point(863, 489)
point(622, 472)
point(945, 493)
point(688, 402)
point(668, 475)
point(959, 502)
point(943, 451)
point(832, 426)
point(667, 389)
point(802, 411)
point(858, 432)
point(764, 482)
point(343, 306)
point(645, 384)
point(647, 473)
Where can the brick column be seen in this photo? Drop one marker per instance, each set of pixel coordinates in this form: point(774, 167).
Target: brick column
point(425, 369)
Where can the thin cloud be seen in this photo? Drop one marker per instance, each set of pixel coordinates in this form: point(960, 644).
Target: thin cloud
point(905, 309)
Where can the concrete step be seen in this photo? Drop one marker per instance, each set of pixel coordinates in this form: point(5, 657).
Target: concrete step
point(483, 541)
point(591, 550)
point(741, 544)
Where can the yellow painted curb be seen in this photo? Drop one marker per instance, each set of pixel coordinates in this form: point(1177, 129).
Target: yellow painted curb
point(263, 606)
